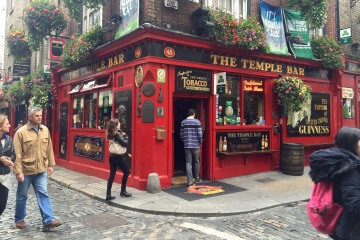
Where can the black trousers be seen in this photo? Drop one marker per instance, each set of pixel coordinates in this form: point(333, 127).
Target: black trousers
point(118, 161)
point(4, 193)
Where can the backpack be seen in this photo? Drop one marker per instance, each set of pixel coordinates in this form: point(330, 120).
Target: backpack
point(322, 211)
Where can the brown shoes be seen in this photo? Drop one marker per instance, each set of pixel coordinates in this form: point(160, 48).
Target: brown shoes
point(20, 225)
point(53, 224)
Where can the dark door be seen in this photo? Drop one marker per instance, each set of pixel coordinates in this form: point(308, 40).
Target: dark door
point(181, 107)
point(63, 130)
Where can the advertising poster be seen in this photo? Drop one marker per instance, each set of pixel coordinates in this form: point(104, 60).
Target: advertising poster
point(129, 11)
point(348, 102)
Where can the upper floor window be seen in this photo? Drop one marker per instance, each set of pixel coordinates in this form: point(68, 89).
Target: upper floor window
point(236, 7)
point(91, 18)
point(316, 32)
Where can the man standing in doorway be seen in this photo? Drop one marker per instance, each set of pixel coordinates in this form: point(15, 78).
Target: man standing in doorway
point(191, 135)
point(34, 162)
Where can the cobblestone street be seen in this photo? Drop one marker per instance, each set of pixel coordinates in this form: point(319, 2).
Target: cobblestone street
point(86, 218)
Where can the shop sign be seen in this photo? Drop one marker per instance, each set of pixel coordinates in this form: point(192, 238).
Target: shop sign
point(193, 80)
point(242, 141)
point(55, 50)
point(219, 83)
point(345, 36)
point(313, 119)
point(352, 67)
point(21, 68)
point(252, 85)
point(89, 147)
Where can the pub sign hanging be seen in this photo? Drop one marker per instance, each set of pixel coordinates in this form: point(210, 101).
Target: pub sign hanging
point(193, 80)
point(313, 119)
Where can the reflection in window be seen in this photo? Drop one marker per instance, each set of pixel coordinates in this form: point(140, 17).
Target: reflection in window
point(90, 110)
point(105, 108)
point(228, 102)
point(253, 101)
point(78, 112)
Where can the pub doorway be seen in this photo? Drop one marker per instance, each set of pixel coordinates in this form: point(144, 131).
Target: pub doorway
point(181, 107)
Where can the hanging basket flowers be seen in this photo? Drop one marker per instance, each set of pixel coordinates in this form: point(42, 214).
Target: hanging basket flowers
point(291, 93)
point(18, 44)
point(42, 18)
point(329, 51)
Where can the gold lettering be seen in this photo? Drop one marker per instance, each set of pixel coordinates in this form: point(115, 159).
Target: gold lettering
point(259, 65)
point(110, 62)
point(267, 66)
point(102, 64)
point(215, 58)
point(116, 61)
point(224, 61)
point(244, 62)
point(272, 67)
point(295, 71)
point(279, 68)
point(301, 71)
point(121, 58)
point(252, 64)
point(232, 62)
point(289, 70)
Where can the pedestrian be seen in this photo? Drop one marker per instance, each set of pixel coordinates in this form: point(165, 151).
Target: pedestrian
point(20, 124)
point(118, 161)
point(7, 158)
point(191, 135)
point(34, 162)
point(341, 165)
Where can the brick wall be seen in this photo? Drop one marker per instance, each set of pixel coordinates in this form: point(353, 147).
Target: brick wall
point(349, 18)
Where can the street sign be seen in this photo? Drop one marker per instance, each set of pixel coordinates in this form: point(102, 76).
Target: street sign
point(345, 36)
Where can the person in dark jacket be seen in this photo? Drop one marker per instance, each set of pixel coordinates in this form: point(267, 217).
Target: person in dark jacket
point(341, 165)
point(7, 158)
point(118, 161)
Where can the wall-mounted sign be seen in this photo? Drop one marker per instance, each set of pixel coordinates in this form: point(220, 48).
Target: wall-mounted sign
point(352, 67)
point(56, 46)
point(193, 80)
point(313, 119)
point(242, 141)
point(89, 147)
point(252, 85)
point(21, 68)
point(161, 75)
point(345, 36)
point(348, 102)
point(171, 4)
point(219, 82)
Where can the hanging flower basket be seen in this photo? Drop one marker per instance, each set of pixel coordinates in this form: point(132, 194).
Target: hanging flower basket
point(77, 51)
point(329, 51)
point(247, 34)
point(42, 18)
point(18, 44)
point(291, 93)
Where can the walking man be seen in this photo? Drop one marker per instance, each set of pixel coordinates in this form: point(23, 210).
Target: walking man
point(34, 162)
point(191, 135)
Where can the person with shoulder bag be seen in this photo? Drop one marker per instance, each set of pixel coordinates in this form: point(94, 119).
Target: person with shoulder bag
point(7, 158)
point(118, 143)
point(340, 165)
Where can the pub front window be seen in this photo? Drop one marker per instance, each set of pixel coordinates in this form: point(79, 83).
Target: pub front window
point(90, 110)
point(253, 101)
point(105, 108)
point(78, 108)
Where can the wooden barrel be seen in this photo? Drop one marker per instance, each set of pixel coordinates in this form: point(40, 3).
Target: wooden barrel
point(292, 159)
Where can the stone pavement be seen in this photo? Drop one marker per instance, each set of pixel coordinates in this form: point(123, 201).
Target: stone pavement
point(262, 190)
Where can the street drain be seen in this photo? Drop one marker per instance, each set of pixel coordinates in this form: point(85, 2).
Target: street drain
point(103, 221)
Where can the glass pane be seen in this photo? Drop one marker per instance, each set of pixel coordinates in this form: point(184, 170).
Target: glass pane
point(253, 101)
point(90, 110)
point(78, 112)
point(105, 108)
point(88, 85)
point(228, 102)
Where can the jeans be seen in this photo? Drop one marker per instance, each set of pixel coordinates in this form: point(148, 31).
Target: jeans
point(192, 154)
point(39, 183)
point(4, 192)
point(117, 161)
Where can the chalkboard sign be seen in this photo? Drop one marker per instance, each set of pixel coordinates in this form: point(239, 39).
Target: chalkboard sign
point(242, 141)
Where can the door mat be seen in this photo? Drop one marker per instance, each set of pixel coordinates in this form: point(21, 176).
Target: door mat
point(178, 180)
point(203, 190)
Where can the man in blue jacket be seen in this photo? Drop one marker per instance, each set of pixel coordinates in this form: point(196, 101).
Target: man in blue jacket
point(191, 135)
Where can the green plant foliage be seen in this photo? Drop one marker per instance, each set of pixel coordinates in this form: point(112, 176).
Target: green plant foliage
point(247, 34)
point(75, 6)
point(41, 90)
point(77, 51)
point(15, 94)
point(315, 12)
point(18, 44)
point(328, 51)
point(291, 93)
point(41, 18)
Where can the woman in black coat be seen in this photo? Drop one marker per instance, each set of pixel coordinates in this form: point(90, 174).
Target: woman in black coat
point(341, 165)
point(7, 158)
point(118, 161)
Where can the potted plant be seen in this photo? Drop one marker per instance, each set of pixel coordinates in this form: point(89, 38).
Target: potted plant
point(18, 44)
point(77, 51)
point(41, 18)
point(252, 35)
point(291, 93)
point(328, 51)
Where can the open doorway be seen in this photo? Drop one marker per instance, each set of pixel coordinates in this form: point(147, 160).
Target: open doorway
point(181, 107)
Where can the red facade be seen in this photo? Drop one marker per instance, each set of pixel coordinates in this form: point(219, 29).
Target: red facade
point(176, 73)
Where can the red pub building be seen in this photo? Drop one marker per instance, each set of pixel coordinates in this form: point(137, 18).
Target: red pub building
point(149, 78)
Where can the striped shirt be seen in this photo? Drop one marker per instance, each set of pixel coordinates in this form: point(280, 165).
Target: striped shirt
point(191, 132)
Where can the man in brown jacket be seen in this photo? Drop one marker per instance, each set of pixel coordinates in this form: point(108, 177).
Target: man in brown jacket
point(34, 162)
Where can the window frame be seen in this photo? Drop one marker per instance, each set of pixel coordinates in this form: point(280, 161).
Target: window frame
point(86, 18)
point(235, 11)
